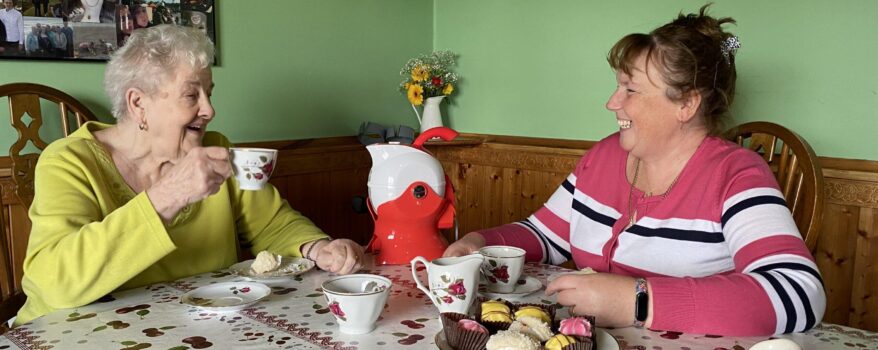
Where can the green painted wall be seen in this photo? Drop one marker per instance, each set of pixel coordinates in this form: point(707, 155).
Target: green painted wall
point(288, 69)
point(313, 68)
point(538, 68)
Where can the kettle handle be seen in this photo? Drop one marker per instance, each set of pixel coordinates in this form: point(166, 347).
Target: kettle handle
point(414, 263)
point(442, 132)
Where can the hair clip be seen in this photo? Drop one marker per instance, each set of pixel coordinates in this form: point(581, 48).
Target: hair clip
point(730, 45)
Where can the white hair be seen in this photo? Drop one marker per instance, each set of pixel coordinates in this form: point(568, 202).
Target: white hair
point(149, 59)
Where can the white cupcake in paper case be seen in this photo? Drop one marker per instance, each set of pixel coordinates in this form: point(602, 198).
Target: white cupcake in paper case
point(532, 327)
point(510, 340)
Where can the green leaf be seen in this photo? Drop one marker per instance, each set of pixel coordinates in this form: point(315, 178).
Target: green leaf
point(316, 307)
point(493, 263)
point(167, 327)
point(179, 348)
point(263, 158)
point(128, 342)
point(248, 176)
point(75, 314)
point(99, 329)
point(422, 320)
point(142, 313)
point(445, 279)
point(313, 295)
point(400, 335)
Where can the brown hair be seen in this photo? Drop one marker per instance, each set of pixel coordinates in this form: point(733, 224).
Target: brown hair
point(689, 54)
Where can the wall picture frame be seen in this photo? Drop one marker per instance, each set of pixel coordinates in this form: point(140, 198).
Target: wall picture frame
point(90, 30)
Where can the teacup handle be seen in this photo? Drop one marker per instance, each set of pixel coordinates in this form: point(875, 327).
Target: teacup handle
point(414, 264)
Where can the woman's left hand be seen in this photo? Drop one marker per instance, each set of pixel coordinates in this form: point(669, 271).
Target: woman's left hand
point(341, 256)
point(607, 297)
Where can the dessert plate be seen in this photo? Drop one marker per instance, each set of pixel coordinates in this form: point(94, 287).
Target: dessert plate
point(289, 267)
point(531, 284)
point(604, 340)
point(226, 296)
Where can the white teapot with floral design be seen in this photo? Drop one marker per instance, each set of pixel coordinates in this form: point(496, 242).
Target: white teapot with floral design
point(452, 281)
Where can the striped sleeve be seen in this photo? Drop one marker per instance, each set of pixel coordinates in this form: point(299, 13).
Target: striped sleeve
point(767, 247)
point(545, 234)
point(775, 286)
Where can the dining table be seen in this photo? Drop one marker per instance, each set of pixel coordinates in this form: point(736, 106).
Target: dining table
point(295, 316)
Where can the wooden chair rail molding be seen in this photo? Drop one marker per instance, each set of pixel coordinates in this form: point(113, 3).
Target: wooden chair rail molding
point(500, 179)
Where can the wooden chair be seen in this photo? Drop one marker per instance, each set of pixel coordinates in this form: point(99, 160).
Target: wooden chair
point(796, 168)
point(11, 296)
point(27, 101)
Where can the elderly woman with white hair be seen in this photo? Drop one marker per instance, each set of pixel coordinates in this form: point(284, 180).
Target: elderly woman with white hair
point(150, 199)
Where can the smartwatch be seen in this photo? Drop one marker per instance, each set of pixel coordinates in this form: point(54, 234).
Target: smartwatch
point(641, 302)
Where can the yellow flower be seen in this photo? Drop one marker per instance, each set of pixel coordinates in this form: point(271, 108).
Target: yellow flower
point(448, 89)
point(420, 73)
point(406, 86)
point(416, 94)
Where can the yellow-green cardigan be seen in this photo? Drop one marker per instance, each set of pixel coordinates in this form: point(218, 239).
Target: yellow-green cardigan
point(93, 235)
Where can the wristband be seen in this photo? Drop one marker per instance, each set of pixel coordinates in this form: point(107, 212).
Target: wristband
point(641, 302)
point(311, 247)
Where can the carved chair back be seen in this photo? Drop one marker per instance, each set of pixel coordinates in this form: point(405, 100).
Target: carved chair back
point(796, 169)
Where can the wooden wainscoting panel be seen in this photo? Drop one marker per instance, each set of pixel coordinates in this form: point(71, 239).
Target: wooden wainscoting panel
point(536, 188)
point(835, 258)
point(17, 227)
point(864, 303)
point(343, 220)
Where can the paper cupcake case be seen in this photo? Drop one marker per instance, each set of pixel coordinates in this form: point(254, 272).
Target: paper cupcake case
point(463, 339)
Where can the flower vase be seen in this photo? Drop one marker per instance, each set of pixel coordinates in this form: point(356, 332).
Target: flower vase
point(431, 116)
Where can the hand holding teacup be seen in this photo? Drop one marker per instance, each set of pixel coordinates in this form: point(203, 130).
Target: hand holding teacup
point(194, 177)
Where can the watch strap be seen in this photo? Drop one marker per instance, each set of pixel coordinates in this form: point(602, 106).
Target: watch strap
point(641, 302)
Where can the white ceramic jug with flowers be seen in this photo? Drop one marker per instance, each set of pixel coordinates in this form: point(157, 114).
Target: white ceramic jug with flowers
point(452, 281)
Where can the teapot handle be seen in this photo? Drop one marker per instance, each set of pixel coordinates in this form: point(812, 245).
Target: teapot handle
point(414, 264)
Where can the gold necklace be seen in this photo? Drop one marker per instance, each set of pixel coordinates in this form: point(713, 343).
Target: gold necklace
point(632, 207)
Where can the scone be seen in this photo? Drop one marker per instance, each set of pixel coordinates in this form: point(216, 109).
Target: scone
point(265, 262)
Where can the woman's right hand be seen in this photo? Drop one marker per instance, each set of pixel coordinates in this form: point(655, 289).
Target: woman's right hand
point(469, 244)
point(199, 174)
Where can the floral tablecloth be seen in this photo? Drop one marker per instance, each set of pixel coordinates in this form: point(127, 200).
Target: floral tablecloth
point(295, 316)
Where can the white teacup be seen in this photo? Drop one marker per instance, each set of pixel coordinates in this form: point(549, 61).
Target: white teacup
point(253, 166)
point(356, 301)
point(502, 267)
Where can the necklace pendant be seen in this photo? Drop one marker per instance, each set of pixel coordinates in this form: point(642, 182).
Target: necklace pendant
point(632, 219)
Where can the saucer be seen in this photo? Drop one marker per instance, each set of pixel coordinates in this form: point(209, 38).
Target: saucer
point(226, 296)
point(289, 267)
point(531, 284)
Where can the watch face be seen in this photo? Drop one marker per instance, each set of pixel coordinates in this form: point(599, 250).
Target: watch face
point(641, 307)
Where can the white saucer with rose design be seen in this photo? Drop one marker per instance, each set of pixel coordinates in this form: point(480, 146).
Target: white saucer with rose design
point(226, 296)
point(530, 285)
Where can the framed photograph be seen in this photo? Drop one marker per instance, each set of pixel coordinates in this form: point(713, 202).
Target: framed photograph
point(90, 29)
